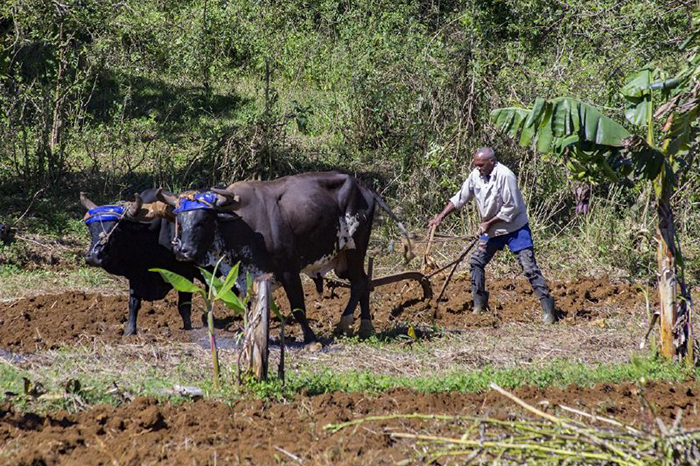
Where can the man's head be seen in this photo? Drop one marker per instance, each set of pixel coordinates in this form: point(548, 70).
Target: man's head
point(484, 160)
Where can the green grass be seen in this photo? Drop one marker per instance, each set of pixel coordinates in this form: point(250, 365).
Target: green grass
point(15, 282)
point(559, 373)
point(99, 387)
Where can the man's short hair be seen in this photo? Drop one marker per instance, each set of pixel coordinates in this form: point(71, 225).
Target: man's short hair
point(486, 152)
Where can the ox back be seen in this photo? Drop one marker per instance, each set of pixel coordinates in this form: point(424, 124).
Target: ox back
point(131, 249)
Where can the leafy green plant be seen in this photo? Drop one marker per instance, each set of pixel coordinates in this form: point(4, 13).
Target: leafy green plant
point(215, 290)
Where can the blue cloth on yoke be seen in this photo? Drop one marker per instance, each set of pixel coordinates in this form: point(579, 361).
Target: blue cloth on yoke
point(203, 200)
point(517, 241)
point(105, 213)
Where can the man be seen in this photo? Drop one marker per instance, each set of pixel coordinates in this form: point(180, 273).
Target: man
point(503, 222)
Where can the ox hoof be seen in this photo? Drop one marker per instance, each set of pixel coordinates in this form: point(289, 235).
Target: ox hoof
point(129, 331)
point(345, 326)
point(309, 337)
point(366, 329)
point(313, 347)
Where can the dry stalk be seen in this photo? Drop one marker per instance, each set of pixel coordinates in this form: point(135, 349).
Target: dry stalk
point(555, 439)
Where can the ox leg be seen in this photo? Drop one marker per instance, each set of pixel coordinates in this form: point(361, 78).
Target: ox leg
point(184, 307)
point(291, 282)
point(359, 292)
point(366, 327)
point(347, 320)
point(134, 306)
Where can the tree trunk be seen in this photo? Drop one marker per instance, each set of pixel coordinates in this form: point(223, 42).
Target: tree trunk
point(254, 352)
point(667, 295)
point(675, 318)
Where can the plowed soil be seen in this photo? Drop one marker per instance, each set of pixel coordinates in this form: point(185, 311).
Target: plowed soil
point(70, 318)
point(146, 431)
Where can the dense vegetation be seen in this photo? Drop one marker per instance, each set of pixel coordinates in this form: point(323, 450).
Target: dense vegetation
point(113, 97)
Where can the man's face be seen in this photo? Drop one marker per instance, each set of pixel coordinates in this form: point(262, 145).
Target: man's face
point(484, 164)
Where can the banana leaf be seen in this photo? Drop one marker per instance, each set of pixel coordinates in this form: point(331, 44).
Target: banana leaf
point(550, 123)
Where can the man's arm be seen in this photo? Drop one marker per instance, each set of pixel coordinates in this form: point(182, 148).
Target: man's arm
point(464, 195)
point(437, 220)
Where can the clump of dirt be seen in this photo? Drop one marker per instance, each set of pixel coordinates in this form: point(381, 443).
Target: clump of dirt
point(69, 318)
point(147, 431)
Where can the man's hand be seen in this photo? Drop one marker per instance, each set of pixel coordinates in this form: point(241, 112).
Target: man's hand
point(486, 226)
point(437, 220)
point(441, 216)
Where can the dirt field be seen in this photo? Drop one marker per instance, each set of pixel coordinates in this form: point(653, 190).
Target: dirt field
point(49, 321)
point(206, 432)
point(147, 431)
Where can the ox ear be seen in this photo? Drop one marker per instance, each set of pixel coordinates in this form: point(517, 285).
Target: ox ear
point(87, 203)
point(226, 200)
point(166, 198)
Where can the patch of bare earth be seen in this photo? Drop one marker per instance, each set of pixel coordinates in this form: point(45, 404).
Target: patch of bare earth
point(146, 431)
point(49, 320)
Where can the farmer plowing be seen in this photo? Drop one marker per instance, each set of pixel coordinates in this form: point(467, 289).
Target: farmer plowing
point(504, 222)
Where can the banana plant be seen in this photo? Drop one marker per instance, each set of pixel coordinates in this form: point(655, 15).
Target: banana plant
point(594, 146)
point(216, 290)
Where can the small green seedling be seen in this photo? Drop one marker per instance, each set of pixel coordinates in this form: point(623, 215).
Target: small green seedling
point(216, 290)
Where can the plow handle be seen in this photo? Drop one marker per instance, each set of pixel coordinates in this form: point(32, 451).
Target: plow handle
point(454, 265)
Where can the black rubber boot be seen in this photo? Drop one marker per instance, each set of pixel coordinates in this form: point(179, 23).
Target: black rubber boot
point(549, 316)
point(481, 302)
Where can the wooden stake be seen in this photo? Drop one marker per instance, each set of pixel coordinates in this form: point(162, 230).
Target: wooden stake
point(254, 354)
point(427, 261)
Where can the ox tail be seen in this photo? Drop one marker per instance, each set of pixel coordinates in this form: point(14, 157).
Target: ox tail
point(407, 247)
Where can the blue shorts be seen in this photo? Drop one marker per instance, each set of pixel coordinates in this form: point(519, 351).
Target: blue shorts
point(517, 241)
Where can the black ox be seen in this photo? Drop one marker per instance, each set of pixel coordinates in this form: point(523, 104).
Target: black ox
point(310, 223)
point(129, 248)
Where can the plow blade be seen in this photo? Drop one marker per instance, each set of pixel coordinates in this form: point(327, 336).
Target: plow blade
point(375, 282)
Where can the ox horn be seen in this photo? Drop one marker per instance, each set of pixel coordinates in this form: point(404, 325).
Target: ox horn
point(166, 198)
point(133, 208)
point(226, 199)
point(87, 203)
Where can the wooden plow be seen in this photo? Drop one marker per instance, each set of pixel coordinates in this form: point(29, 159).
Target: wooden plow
point(388, 279)
point(421, 277)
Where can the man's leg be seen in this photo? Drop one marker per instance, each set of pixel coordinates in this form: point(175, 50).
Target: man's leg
point(478, 260)
point(526, 259)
